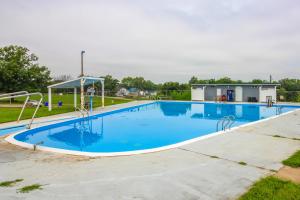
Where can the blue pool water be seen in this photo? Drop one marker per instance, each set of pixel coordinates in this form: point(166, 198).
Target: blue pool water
point(144, 127)
point(4, 131)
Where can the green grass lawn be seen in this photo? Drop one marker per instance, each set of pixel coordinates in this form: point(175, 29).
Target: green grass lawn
point(273, 188)
point(293, 161)
point(11, 114)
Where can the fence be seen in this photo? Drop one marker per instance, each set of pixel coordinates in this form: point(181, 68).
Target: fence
point(288, 96)
point(283, 96)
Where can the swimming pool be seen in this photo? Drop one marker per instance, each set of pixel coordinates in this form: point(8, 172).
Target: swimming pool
point(139, 129)
point(12, 129)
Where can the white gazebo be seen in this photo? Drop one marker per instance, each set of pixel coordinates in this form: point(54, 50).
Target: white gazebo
point(77, 83)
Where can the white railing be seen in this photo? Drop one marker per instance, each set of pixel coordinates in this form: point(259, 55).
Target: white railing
point(27, 95)
point(83, 111)
point(226, 122)
point(279, 110)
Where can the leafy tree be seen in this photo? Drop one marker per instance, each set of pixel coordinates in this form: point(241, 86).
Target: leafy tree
point(176, 90)
point(149, 85)
point(257, 81)
point(111, 84)
point(138, 82)
point(127, 82)
point(180, 95)
point(184, 86)
point(290, 84)
point(211, 81)
point(171, 86)
point(193, 80)
point(225, 80)
point(20, 70)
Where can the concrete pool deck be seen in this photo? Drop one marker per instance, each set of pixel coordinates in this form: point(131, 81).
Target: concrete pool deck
point(187, 172)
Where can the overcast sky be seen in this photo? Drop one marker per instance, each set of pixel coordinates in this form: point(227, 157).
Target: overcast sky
point(161, 40)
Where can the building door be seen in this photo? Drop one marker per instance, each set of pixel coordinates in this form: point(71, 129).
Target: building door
point(219, 94)
point(238, 93)
point(198, 93)
point(230, 95)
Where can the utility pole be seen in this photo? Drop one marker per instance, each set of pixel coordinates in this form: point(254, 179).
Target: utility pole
point(82, 52)
point(82, 84)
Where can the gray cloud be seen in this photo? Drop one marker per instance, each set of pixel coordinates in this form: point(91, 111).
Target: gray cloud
point(160, 40)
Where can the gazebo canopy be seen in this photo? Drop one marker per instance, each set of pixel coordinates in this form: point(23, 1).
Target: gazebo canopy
point(77, 83)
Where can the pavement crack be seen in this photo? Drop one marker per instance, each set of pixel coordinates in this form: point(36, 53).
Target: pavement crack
point(225, 159)
point(284, 137)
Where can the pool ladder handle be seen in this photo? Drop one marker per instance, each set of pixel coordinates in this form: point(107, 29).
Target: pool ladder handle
point(83, 112)
point(226, 122)
point(36, 144)
point(230, 121)
point(279, 110)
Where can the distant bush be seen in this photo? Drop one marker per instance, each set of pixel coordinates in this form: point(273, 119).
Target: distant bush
point(181, 95)
point(290, 96)
point(293, 96)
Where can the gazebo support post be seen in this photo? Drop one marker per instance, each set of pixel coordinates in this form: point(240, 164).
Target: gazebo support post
point(75, 98)
point(102, 93)
point(49, 99)
point(82, 93)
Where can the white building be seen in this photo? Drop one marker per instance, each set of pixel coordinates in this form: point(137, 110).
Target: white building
point(122, 92)
point(234, 92)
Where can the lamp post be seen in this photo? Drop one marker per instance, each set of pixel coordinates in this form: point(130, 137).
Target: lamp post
point(82, 52)
point(82, 84)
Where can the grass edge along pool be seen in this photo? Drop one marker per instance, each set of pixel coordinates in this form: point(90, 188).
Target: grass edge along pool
point(141, 129)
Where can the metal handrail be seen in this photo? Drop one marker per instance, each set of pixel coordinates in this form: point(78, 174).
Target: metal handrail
point(232, 120)
point(226, 122)
point(36, 144)
point(220, 121)
point(27, 95)
point(279, 110)
point(217, 126)
point(77, 109)
point(82, 111)
point(13, 93)
point(86, 111)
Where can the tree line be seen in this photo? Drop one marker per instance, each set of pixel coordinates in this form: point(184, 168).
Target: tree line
point(20, 70)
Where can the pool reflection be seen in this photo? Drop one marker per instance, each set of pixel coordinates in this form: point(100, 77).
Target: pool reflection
point(79, 135)
point(241, 112)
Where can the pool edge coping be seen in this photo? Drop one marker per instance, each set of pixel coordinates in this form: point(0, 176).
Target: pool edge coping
point(10, 138)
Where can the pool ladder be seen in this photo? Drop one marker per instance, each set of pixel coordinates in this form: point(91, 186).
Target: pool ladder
point(84, 112)
point(37, 144)
point(279, 110)
point(225, 122)
point(27, 95)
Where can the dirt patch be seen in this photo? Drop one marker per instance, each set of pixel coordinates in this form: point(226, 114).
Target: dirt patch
point(4, 145)
point(63, 158)
point(10, 152)
point(289, 173)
